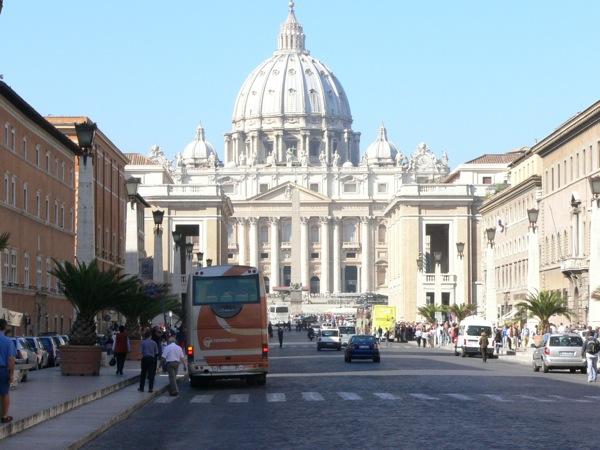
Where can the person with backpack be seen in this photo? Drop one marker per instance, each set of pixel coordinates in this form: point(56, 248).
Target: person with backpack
point(591, 347)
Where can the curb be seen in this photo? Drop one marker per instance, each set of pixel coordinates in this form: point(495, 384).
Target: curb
point(49, 413)
point(117, 418)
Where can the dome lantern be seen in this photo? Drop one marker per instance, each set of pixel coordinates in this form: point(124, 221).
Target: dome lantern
point(382, 151)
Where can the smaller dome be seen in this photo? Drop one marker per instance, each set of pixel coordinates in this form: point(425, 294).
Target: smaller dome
point(381, 151)
point(199, 151)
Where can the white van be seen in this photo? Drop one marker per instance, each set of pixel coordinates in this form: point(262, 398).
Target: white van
point(469, 332)
point(346, 332)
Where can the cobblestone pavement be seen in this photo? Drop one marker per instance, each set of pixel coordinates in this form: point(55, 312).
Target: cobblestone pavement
point(414, 398)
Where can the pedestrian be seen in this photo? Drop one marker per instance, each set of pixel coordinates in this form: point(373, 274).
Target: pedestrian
point(379, 333)
point(270, 328)
point(418, 334)
point(156, 337)
point(148, 366)
point(121, 347)
point(280, 336)
point(591, 347)
point(8, 353)
point(172, 356)
point(483, 345)
point(498, 340)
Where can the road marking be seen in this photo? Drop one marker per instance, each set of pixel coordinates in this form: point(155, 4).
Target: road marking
point(595, 397)
point(275, 397)
point(424, 397)
point(385, 396)
point(536, 399)
point(460, 397)
point(165, 399)
point(201, 398)
point(238, 398)
point(497, 398)
point(578, 400)
point(312, 396)
point(349, 396)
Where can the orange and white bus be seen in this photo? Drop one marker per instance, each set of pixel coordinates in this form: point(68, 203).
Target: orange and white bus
point(226, 324)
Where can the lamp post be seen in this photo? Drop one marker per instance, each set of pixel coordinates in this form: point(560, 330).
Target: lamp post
point(132, 185)
point(189, 253)
point(459, 290)
point(460, 248)
point(176, 278)
point(533, 254)
point(200, 257)
point(593, 318)
point(437, 261)
point(491, 310)
point(86, 217)
point(420, 281)
point(208, 262)
point(157, 268)
point(132, 261)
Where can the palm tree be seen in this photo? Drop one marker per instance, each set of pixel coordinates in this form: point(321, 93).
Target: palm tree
point(544, 305)
point(90, 290)
point(428, 312)
point(461, 311)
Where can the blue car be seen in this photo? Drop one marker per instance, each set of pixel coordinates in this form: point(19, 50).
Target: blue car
point(362, 346)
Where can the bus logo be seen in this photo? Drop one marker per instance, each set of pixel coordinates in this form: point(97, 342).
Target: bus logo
point(208, 341)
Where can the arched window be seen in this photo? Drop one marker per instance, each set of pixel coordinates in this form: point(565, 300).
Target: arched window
point(315, 285)
point(267, 284)
point(381, 234)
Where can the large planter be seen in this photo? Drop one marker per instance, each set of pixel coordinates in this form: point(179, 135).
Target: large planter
point(83, 360)
point(136, 350)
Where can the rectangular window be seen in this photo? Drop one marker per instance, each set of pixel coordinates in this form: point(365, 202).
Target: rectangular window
point(38, 272)
point(314, 187)
point(264, 256)
point(351, 255)
point(26, 271)
point(547, 186)
point(314, 256)
point(382, 188)
point(224, 291)
point(48, 276)
point(6, 191)
point(552, 178)
point(13, 140)
point(13, 267)
point(13, 193)
point(37, 155)
point(37, 204)
point(47, 210)
point(24, 148)
point(486, 180)
point(558, 176)
point(48, 162)
point(5, 266)
point(263, 188)
point(25, 199)
point(577, 174)
point(584, 162)
point(350, 187)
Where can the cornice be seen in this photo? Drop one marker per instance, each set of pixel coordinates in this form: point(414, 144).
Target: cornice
point(508, 194)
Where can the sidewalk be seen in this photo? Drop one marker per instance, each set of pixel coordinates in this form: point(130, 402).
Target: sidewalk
point(49, 403)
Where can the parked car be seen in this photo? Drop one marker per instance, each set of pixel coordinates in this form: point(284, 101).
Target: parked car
point(52, 349)
point(21, 356)
point(346, 332)
point(329, 338)
point(362, 346)
point(560, 351)
point(41, 352)
point(65, 338)
point(32, 357)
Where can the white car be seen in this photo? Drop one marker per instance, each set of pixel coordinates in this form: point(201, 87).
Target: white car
point(329, 338)
point(346, 332)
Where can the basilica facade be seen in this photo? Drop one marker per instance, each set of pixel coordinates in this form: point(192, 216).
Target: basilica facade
point(308, 210)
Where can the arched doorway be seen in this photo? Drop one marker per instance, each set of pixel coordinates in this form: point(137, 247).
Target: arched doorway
point(315, 285)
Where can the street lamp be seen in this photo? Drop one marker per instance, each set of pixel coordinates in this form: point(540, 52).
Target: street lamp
point(437, 257)
point(595, 186)
point(200, 256)
point(176, 237)
point(208, 262)
point(132, 189)
point(189, 248)
point(85, 136)
point(532, 215)
point(420, 263)
point(158, 215)
point(460, 248)
point(491, 234)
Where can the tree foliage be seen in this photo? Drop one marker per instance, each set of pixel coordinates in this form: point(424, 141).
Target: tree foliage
point(429, 312)
point(4, 237)
point(461, 312)
point(544, 305)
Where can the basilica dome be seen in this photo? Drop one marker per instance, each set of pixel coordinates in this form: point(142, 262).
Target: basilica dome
point(199, 151)
point(382, 151)
point(289, 84)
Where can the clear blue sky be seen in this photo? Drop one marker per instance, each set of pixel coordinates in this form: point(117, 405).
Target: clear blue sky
point(466, 77)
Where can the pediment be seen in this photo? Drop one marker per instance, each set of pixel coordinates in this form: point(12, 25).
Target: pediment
point(283, 194)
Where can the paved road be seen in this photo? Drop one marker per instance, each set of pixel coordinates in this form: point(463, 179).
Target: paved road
point(413, 398)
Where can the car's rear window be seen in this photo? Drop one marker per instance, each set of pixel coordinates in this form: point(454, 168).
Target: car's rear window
point(476, 330)
point(329, 333)
point(565, 341)
point(347, 330)
point(363, 340)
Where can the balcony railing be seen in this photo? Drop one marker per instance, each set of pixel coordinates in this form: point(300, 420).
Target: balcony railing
point(351, 245)
point(575, 264)
point(444, 278)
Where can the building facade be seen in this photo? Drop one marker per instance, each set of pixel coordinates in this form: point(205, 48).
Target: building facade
point(37, 208)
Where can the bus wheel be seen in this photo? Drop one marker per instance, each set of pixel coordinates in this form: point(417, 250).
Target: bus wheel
point(197, 382)
point(261, 380)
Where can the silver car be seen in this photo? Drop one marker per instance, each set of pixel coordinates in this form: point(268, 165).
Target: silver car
point(560, 351)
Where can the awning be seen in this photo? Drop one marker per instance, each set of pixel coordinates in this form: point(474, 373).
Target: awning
point(13, 318)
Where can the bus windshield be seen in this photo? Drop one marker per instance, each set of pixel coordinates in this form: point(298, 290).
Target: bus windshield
point(219, 290)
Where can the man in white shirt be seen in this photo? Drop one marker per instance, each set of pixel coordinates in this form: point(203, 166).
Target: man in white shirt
point(173, 355)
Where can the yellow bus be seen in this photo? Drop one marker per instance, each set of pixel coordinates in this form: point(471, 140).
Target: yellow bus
point(385, 317)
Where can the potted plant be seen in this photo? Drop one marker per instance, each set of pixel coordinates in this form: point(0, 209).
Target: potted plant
point(89, 290)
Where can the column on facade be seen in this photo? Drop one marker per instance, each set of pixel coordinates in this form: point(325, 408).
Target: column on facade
point(327, 145)
point(594, 270)
point(176, 274)
point(242, 255)
point(574, 234)
point(366, 264)
point(253, 241)
point(459, 292)
point(274, 252)
point(533, 260)
point(157, 267)
point(580, 234)
point(337, 260)
point(304, 264)
point(346, 146)
point(324, 282)
point(491, 310)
